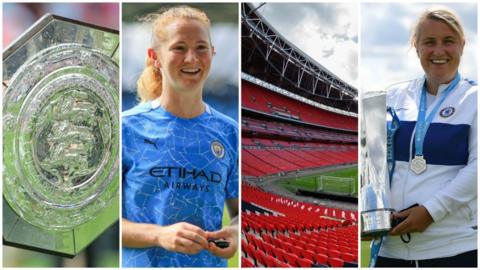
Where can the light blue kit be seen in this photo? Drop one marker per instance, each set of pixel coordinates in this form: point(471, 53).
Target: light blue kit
point(177, 170)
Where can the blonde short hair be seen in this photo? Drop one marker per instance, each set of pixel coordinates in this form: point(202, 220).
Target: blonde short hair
point(439, 14)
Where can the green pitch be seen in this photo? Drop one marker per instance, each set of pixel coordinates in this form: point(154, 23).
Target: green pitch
point(308, 182)
point(365, 253)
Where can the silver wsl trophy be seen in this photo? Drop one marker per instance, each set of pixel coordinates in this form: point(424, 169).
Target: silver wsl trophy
point(375, 192)
point(60, 136)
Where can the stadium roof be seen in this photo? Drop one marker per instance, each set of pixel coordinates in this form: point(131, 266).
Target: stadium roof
point(267, 55)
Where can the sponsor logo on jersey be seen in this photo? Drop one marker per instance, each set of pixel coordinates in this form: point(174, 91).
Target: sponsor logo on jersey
point(217, 149)
point(447, 112)
point(182, 173)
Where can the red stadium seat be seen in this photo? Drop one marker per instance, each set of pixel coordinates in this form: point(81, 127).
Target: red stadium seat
point(250, 251)
point(283, 265)
point(267, 238)
point(244, 247)
point(321, 259)
point(269, 249)
point(344, 249)
point(296, 250)
point(270, 261)
point(259, 243)
point(321, 250)
point(310, 247)
point(246, 263)
point(335, 262)
point(333, 253)
point(260, 258)
point(304, 262)
point(301, 244)
point(250, 238)
point(332, 246)
point(347, 257)
point(308, 254)
point(279, 254)
point(291, 259)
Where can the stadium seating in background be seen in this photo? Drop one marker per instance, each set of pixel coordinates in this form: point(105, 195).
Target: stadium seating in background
point(259, 159)
point(297, 234)
point(257, 98)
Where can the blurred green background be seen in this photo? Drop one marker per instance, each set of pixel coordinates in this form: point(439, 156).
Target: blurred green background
point(217, 12)
point(233, 262)
point(364, 253)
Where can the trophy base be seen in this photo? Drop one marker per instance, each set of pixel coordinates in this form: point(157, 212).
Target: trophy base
point(376, 223)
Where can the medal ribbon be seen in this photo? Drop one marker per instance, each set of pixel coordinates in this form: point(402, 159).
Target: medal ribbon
point(392, 127)
point(374, 250)
point(422, 124)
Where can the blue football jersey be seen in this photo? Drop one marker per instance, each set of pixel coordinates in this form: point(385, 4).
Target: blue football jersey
point(177, 170)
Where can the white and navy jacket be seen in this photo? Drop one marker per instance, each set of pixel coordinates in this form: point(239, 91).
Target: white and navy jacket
point(448, 188)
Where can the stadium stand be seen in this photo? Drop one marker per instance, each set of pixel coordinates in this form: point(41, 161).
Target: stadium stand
point(297, 119)
point(259, 161)
point(273, 144)
point(278, 128)
point(297, 234)
point(257, 98)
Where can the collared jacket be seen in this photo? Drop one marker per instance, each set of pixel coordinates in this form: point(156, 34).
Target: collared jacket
point(448, 188)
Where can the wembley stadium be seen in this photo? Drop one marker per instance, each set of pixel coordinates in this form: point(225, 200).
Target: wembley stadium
point(299, 155)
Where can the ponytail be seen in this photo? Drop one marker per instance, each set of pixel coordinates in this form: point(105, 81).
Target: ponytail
point(149, 85)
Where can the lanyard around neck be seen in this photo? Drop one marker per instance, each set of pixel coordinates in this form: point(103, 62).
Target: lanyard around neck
point(424, 122)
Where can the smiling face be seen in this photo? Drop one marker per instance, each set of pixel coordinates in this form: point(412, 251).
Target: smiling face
point(439, 48)
point(185, 55)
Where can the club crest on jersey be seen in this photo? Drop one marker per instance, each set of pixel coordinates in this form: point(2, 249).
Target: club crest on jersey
point(217, 149)
point(447, 112)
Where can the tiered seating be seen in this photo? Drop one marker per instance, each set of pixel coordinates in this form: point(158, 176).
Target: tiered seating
point(263, 157)
point(260, 99)
point(298, 236)
point(299, 211)
point(255, 166)
point(273, 128)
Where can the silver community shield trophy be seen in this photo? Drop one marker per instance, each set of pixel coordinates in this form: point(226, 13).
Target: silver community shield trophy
point(375, 192)
point(60, 136)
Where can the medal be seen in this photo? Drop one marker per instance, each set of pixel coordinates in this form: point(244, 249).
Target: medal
point(418, 165)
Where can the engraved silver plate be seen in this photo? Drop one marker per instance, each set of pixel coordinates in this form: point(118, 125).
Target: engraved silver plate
point(418, 164)
point(60, 135)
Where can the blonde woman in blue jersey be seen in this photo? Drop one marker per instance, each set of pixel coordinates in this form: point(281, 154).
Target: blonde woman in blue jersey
point(434, 184)
point(180, 157)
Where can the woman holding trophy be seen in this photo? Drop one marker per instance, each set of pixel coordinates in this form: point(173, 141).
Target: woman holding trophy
point(434, 184)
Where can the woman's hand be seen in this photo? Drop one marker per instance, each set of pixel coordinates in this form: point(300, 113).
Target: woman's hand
point(417, 219)
point(229, 234)
point(182, 237)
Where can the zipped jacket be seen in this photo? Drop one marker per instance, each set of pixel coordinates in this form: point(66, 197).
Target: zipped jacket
point(448, 187)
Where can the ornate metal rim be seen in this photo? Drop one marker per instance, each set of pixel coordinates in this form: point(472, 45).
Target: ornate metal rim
point(40, 202)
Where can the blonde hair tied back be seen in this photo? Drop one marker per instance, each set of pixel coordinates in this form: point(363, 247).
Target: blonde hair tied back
point(149, 84)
